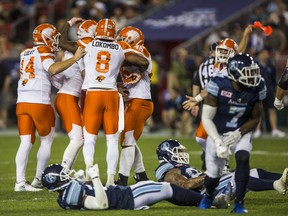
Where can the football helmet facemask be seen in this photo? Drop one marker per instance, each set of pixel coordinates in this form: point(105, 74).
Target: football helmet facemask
point(172, 151)
point(87, 29)
point(226, 49)
point(243, 69)
point(131, 35)
point(56, 177)
point(46, 34)
point(106, 29)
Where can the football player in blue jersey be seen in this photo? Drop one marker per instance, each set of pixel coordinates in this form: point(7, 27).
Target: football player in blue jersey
point(174, 168)
point(75, 194)
point(231, 111)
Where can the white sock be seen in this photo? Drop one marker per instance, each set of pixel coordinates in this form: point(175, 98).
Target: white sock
point(112, 153)
point(71, 152)
point(138, 164)
point(110, 180)
point(89, 147)
point(43, 154)
point(22, 156)
point(126, 160)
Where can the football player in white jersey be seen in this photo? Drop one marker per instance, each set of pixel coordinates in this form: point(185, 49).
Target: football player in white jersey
point(138, 108)
point(33, 109)
point(69, 83)
point(103, 105)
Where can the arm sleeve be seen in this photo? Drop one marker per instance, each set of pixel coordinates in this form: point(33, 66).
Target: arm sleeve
point(100, 201)
point(208, 114)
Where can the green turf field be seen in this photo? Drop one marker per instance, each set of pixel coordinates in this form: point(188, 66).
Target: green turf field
point(270, 154)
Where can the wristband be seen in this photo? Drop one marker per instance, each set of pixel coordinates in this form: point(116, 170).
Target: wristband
point(198, 98)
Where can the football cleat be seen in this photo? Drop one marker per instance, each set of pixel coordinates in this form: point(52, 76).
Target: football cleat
point(122, 180)
point(25, 186)
point(277, 133)
point(141, 177)
point(36, 183)
point(281, 184)
point(239, 208)
point(205, 203)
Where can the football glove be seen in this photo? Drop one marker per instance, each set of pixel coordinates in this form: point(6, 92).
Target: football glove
point(232, 137)
point(80, 176)
point(278, 104)
point(93, 172)
point(222, 150)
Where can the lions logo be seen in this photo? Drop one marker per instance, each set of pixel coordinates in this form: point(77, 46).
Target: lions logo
point(100, 78)
point(24, 82)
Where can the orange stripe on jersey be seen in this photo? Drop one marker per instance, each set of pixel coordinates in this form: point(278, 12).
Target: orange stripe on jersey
point(84, 41)
point(124, 45)
point(45, 53)
point(46, 57)
point(44, 49)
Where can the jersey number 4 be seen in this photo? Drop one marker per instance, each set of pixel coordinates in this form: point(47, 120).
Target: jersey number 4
point(29, 68)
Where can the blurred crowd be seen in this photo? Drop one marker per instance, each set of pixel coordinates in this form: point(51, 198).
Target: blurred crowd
point(172, 77)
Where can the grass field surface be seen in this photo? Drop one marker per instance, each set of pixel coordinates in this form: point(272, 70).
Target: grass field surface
point(268, 153)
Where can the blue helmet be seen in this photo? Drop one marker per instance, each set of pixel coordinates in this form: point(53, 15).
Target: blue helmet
point(243, 69)
point(56, 177)
point(172, 151)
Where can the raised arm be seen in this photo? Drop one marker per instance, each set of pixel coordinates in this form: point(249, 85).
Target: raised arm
point(100, 200)
point(64, 43)
point(245, 39)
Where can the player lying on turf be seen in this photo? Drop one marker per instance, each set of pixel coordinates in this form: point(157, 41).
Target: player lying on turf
point(74, 194)
point(174, 168)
